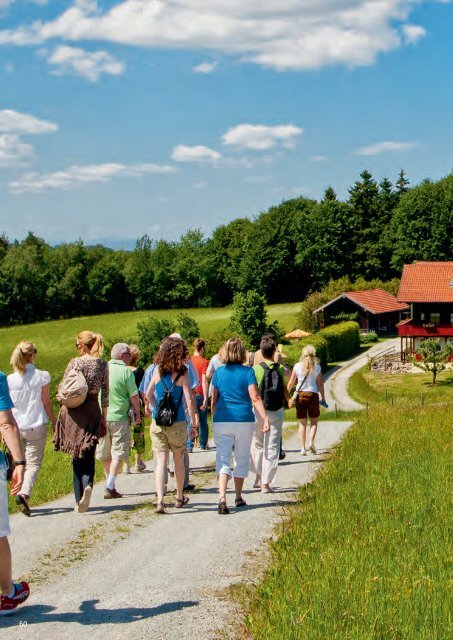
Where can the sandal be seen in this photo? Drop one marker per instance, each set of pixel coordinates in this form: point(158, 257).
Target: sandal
point(223, 509)
point(23, 505)
point(240, 502)
point(160, 508)
point(180, 503)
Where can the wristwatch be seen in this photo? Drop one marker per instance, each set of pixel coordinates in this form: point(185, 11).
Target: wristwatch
point(20, 463)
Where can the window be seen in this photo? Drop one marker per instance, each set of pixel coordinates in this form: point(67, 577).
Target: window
point(435, 318)
point(451, 318)
point(422, 316)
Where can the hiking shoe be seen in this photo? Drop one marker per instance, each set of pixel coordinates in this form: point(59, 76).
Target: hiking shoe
point(126, 468)
point(189, 487)
point(85, 500)
point(111, 494)
point(222, 509)
point(312, 448)
point(23, 505)
point(9, 603)
point(141, 466)
point(282, 455)
point(303, 451)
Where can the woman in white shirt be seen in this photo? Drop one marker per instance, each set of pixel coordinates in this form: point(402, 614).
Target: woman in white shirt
point(29, 390)
point(309, 386)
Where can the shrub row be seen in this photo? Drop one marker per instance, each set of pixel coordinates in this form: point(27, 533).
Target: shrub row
point(343, 340)
point(293, 351)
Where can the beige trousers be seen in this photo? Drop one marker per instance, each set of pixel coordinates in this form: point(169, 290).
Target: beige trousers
point(33, 442)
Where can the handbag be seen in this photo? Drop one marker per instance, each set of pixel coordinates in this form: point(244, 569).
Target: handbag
point(292, 400)
point(73, 389)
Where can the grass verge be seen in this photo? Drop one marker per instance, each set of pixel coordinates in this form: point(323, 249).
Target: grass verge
point(364, 555)
point(402, 388)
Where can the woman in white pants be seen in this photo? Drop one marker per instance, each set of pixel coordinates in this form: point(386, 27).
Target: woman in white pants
point(29, 390)
point(265, 451)
point(234, 390)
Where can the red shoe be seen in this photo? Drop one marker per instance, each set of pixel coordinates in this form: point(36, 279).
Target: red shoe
point(9, 603)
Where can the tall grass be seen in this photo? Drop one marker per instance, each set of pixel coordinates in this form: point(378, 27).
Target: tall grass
point(365, 554)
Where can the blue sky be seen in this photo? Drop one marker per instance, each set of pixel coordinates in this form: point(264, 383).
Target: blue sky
point(119, 118)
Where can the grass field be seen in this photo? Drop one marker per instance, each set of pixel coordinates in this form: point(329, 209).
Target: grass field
point(365, 553)
point(55, 340)
point(400, 388)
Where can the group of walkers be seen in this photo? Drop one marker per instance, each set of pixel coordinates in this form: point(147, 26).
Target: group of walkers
point(247, 394)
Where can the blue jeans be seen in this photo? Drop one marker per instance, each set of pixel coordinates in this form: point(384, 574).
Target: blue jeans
point(204, 429)
point(203, 415)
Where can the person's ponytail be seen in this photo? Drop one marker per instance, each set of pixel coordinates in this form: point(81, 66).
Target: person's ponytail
point(20, 357)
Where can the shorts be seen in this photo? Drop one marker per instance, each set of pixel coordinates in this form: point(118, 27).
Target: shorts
point(116, 443)
point(307, 403)
point(4, 519)
point(172, 438)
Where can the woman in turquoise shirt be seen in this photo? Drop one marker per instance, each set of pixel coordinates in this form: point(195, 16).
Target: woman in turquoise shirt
point(234, 390)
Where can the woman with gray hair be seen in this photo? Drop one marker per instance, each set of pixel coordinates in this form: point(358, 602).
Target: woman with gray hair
point(234, 390)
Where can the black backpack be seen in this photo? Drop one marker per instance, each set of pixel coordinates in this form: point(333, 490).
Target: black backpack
point(272, 387)
point(167, 410)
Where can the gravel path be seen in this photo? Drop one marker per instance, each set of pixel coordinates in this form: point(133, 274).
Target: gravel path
point(337, 379)
point(119, 571)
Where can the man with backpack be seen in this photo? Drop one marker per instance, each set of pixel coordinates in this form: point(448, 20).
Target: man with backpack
point(265, 448)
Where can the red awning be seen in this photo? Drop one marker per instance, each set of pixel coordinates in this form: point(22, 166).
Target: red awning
point(427, 330)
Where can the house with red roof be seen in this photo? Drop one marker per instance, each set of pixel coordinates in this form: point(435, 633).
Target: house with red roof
point(374, 309)
point(428, 288)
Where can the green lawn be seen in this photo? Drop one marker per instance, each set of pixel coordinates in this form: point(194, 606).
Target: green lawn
point(55, 340)
point(402, 388)
point(365, 552)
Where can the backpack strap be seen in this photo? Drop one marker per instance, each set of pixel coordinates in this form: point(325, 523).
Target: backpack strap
point(251, 358)
point(301, 384)
point(264, 365)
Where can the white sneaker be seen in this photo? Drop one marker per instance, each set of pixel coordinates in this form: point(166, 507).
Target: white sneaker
point(141, 466)
point(303, 451)
point(126, 468)
point(312, 448)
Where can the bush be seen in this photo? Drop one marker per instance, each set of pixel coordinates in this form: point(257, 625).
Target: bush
point(151, 332)
point(366, 338)
point(187, 327)
point(293, 351)
point(214, 340)
point(249, 318)
point(343, 340)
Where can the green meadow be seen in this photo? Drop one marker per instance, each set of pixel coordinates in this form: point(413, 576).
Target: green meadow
point(364, 553)
point(55, 340)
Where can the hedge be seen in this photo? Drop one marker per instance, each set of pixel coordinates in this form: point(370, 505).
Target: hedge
point(292, 351)
point(343, 340)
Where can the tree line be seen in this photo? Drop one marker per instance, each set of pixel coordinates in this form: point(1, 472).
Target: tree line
point(285, 253)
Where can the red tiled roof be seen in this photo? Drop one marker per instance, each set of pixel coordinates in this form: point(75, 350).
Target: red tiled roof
point(376, 300)
point(427, 282)
point(373, 300)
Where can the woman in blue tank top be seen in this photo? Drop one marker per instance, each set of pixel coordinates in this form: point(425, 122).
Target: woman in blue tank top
point(171, 374)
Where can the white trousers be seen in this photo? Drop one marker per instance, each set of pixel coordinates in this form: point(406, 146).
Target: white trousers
point(265, 449)
point(33, 443)
point(233, 434)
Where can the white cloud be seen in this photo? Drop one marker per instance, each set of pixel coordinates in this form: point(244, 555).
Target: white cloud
point(319, 159)
point(88, 64)
point(260, 137)
point(198, 153)
point(77, 176)
point(289, 34)
point(383, 147)
point(205, 67)
point(258, 179)
point(200, 185)
point(14, 152)
point(16, 122)
point(412, 33)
